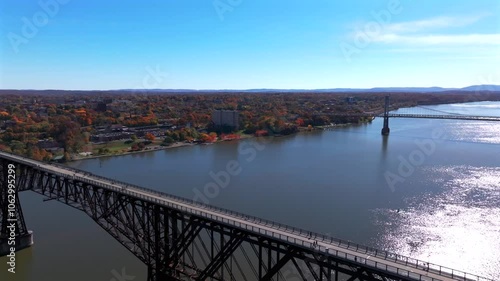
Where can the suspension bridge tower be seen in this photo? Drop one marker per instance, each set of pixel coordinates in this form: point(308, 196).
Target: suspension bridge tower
point(385, 129)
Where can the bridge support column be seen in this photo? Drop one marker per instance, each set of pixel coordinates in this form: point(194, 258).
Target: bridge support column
point(14, 235)
point(385, 129)
point(155, 276)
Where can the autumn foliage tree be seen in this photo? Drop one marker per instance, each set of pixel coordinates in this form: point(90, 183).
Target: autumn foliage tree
point(212, 137)
point(230, 137)
point(149, 137)
point(261, 133)
point(67, 132)
point(300, 122)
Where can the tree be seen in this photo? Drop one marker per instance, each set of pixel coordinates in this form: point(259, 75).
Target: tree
point(67, 157)
point(261, 133)
point(133, 138)
point(182, 135)
point(67, 132)
point(149, 137)
point(3, 147)
point(17, 147)
point(102, 150)
point(213, 136)
point(86, 137)
point(300, 122)
point(168, 141)
point(35, 153)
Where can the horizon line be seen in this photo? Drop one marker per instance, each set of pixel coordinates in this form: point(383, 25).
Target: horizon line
point(260, 89)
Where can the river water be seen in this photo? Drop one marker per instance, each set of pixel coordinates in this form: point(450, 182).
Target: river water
point(430, 190)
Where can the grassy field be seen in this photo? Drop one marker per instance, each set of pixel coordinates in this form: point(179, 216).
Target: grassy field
point(116, 147)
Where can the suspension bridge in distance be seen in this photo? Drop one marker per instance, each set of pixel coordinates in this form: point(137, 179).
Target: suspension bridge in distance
point(426, 113)
point(179, 239)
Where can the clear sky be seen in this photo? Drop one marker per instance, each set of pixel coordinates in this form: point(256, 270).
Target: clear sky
point(248, 44)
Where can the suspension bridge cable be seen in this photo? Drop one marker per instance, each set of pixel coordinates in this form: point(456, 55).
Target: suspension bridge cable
point(440, 111)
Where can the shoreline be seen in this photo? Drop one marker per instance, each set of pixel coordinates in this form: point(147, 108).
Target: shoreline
point(156, 148)
point(151, 148)
point(183, 144)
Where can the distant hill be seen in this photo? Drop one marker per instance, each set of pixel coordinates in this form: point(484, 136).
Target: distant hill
point(494, 88)
point(412, 89)
point(474, 88)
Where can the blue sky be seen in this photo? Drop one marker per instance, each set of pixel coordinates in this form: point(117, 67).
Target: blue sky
point(245, 44)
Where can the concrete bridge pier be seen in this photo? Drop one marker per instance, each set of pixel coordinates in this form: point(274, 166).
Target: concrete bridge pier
point(14, 235)
point(19, 242)
point(385, 129)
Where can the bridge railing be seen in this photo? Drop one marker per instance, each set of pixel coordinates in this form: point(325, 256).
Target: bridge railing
point(365, 250)
point(402, 260)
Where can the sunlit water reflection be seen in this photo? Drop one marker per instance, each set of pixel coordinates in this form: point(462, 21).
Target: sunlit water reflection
point(459, 217)
point(445, 228)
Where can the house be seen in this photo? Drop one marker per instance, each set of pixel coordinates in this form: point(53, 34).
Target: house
point(48, 144)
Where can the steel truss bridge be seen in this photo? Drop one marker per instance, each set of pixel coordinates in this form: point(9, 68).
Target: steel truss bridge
point(179, 239)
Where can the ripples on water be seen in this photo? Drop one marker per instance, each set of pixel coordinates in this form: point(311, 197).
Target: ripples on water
point(478, 132)
point(461, 220)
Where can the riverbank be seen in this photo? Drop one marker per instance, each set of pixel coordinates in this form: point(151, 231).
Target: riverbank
point(118, 148)
point(78, 157)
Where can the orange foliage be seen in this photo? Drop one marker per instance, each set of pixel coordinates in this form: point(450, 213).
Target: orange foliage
point(300, 122)
point(212, 137)
point(230, 137)
point(149, 137)
point(39, 154)
point(16, 119)
point(261, 133)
